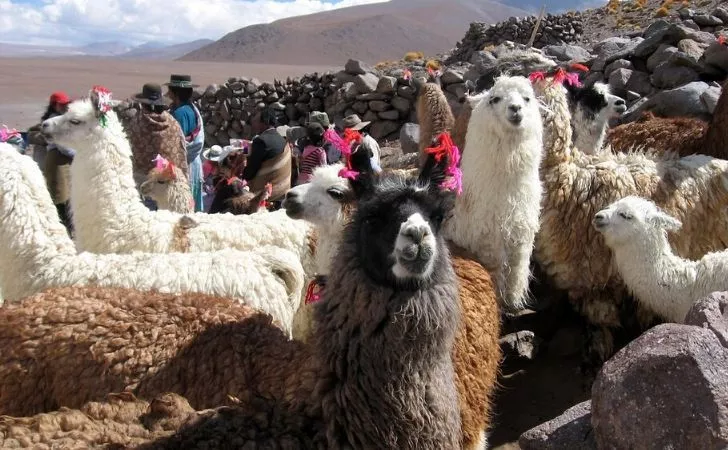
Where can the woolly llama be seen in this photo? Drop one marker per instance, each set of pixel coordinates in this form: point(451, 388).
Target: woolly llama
point(37, 254)
point(378, 372)
point(682, 135)
point(328, 202)
point(433, 114)
point(77, 344)
point(572, 253)
point(107, 210)
point(167, 185)
point(234, 196)
point(635, 229)
point(496, 218)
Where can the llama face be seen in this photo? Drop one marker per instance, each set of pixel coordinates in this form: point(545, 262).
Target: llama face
point(595, 103)
point(398, 226)
point(325, 201)
point(513, 103)
point(632, 219)
point(156, 186)
point(72, 128)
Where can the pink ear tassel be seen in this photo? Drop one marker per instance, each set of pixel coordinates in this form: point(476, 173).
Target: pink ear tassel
point(161, 162)
point(572, 78)
point(445, 146)
point(332, 136)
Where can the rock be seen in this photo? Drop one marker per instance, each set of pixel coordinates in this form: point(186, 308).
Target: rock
point(523, 344)
point(571, 430)
point(566, 52)
point(691, 48)
point(387, 154)
point(356, 67)
point(370, 116)
point(366, 83)
point(711, 312)
point(661, 55)
point(383, 128)
point(409, 137)
point(686, 14)
point(451, 76)
point(379, 105)
point(630, 80)
point(483, 61)
point(668, 76)
point(710, 98)
point(666, 389)
point(400, 104)
point(391, 114)
point(612, 49)
point(716, 55)
point(707, 20)
point(458, 90)
point(721, 13)
point(349, 90)
point(656, 27)
point(618, 64)
point(670, 35)
point(387, 85)
point(691, 24)
point(360, 107)
point(407, 92)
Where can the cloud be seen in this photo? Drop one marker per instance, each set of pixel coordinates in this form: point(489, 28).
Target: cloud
point(77, 22)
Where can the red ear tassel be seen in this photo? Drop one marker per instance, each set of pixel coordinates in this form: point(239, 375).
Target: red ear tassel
point(580, 67)
point(721, 39)
point(445, 146)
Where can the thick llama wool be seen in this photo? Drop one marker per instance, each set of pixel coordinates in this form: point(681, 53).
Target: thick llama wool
point(36, 253)
point(109, 216)
point(168, 186)
point(497, 216)
point(635, 229)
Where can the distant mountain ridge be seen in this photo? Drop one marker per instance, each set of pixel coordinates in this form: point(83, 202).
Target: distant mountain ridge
point(111, 49)
point(370, 32)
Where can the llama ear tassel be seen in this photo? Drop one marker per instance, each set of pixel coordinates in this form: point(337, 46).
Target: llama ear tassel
point(101, 100)
point(441, 168)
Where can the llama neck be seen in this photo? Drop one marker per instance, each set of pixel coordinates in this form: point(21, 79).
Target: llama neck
point(392, 347)
point(103, 191)
point(557, 132)
point(39, 249)
point(656, 276)
point(589, 132)
point(329, 238)
point(179, 198)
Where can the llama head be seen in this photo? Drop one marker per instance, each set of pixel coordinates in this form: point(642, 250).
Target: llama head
point(595, 103)
point(243, 201)
point(510, 105)
point(161, 180)
point(397, 223)
point(633, 219)
point(84, 121)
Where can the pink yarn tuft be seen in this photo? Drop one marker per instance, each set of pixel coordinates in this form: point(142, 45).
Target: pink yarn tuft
point(348, 173)
point(333, 137)
point(445, 146)
point(536, 76)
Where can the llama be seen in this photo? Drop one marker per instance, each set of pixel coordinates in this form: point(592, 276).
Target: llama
point(433, 114)
point(37, 254)
point(635, 229)
point(592, 107)
point(147, 343)
point(328, 202)
point(682, 135)
point(110, 218)
point(167, 185)
point(233, 195)
point(693, 189)
point(378, 372)
point(497, 216)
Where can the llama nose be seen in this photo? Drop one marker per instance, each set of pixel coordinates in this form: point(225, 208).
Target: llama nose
point(514, 108)
point(620, 102)
point(417, 234)
point(600, 219)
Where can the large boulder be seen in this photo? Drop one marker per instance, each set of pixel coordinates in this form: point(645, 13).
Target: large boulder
point(356, 67)
point(566, 52)
point(711, 312)
point(666, 389)
point(571, 430)
point(409, 137)
point(383, 128)
point(366, 82)
point(668, 75)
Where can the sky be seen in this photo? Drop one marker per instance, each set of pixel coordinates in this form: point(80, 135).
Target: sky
point(80, 22)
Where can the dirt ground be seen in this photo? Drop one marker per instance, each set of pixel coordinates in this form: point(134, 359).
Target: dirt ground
point(26, 84)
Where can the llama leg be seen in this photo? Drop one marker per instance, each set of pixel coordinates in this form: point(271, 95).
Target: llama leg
point(517, 276)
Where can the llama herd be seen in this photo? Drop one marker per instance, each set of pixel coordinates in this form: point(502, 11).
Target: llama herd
point(367, 312)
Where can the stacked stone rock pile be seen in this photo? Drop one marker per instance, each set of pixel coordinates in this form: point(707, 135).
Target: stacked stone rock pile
point(554, 30)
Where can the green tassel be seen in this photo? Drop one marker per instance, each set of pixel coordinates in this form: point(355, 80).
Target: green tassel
point(103, 120)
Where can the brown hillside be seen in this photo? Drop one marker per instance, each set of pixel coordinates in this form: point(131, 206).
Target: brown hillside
point(368, 32)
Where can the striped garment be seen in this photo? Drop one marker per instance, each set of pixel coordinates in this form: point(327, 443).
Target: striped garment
point(312, 158)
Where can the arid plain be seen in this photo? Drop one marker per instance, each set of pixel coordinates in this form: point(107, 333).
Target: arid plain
point(26, 83)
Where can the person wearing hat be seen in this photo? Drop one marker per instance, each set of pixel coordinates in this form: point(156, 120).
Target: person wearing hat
point(269, 160)
point(55, 160)
point(180, 90)
point(151, 132)
point(333, 154)
point(353, 122)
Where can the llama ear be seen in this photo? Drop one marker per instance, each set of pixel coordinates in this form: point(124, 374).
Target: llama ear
point(361, 163)
point(432, 172)
point(417, 83)
point(664, 221)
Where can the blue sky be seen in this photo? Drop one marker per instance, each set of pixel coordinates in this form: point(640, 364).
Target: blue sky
point(79, 22)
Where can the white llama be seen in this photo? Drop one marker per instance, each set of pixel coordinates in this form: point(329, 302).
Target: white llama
point(497, 216)
point(109, 216)
point(591, 109)
point(36, 254)
point(635, 229)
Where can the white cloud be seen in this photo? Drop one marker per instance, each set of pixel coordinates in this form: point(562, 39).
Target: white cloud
point(75, 22)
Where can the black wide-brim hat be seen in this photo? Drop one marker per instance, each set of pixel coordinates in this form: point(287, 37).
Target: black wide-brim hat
point(151, 94)
point(181, 81)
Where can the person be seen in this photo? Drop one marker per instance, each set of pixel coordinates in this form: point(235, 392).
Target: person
point(223, 163)
point(269, 160)
point(313, 155)
point(333, 154)
point(55, 160)
point(353, 122)
point(153, 131)
point(180, 89)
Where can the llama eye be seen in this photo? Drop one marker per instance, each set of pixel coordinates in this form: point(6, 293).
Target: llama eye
point(437, 218)
point(494, 100)
point(527, 99)
point(75, 121)
point(335, 194)
point(625, 216)
point(160, 182)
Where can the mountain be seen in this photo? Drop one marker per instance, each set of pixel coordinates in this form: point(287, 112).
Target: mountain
point(37, 51)
point(371, 32)
point(165, 52)
point(110, 48)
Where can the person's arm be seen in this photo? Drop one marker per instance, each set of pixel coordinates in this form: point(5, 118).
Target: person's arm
point(320, 157)
point(184, 121)
point(255, 159)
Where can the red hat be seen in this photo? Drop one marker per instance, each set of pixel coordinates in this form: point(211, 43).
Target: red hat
point(60, 97)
